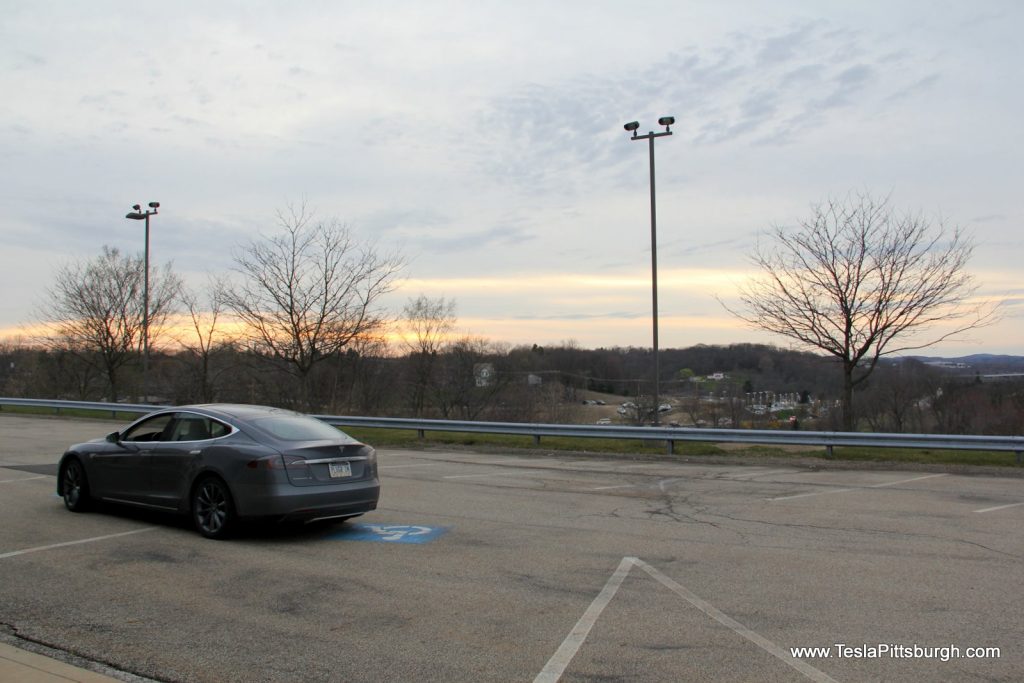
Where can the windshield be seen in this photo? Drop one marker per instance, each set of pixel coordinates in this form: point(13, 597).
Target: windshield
point(300, 428)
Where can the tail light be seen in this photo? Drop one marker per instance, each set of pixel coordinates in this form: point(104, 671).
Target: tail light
point(292, 463)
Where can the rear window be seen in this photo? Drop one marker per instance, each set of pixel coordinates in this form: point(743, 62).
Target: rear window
point(299, 428)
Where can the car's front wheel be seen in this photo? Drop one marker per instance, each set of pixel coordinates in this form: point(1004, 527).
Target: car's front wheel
point(213, 512)
point(74, 486)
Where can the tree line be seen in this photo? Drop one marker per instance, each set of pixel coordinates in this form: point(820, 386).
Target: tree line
point(298, 322)
point(540, 384)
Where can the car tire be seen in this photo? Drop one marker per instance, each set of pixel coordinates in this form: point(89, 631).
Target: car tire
point(213, 511)
point(74, 486)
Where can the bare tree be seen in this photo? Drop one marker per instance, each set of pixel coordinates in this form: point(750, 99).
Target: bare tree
point(895, 397)
point(306, 293)
point(206, 334)
point(428, 323)
point(859, 281)
point(95, 310)
point(369, 378)
point(468, 382)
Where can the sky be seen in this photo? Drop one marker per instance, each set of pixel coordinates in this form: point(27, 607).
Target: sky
point(484, 141)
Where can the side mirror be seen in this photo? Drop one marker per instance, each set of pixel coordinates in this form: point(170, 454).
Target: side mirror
point(114, 437)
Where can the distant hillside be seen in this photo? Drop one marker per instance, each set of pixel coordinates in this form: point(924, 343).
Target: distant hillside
point(984, 363)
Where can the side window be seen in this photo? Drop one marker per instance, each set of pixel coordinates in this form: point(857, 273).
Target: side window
point(218, 429)
point(197, 428)
point(151, 429)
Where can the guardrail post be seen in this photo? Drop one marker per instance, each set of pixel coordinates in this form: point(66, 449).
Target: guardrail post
point(828, 451)
point(671, 447)
point(536, 440)
point(1020, 457)
point(421, 434)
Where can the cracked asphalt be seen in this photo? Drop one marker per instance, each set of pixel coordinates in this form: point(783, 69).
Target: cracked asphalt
point(745, 562)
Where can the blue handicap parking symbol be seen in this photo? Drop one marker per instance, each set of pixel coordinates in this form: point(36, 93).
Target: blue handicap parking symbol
point(391, 533)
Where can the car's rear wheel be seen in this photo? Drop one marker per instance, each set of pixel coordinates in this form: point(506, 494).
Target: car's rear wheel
point(213, 512)
point(74, 486)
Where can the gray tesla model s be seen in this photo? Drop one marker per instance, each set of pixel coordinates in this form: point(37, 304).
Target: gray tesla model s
point(220, 463)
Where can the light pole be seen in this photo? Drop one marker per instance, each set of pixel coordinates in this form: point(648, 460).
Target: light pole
point(632, 127)
point(138, 215)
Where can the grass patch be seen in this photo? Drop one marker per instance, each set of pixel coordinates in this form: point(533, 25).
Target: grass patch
point(402, 438)
point(407, 438)
point(397, 438)
point(84, 413)
point(928, 456)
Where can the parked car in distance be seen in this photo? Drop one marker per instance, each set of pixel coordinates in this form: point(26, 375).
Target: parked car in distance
point(221, 463)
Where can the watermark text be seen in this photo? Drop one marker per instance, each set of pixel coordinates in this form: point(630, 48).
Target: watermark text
point(943, 653)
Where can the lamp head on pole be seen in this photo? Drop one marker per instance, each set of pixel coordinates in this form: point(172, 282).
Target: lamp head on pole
point(138, 214)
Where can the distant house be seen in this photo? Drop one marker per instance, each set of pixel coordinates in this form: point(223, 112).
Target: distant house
point(484, 374)
point(949, 365)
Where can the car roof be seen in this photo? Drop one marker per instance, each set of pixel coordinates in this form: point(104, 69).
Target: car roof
point(236, 410)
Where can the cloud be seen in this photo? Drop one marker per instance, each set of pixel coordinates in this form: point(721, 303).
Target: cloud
point(918, 86)
point(785, 47)
point(688, 248)
point(617, 315)
point(490, 144)
point(1012, 308)
point(23, 61)
point(470, 241)
point(990, 218)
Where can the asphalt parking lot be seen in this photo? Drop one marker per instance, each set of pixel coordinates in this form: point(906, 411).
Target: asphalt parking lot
point(492, 567)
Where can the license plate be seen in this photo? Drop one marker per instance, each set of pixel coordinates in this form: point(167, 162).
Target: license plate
point(340, 469)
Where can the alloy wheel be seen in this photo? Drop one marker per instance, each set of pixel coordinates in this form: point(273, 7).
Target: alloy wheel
point(212, 508)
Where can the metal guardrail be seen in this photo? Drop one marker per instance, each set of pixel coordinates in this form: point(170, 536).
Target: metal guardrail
point(102, 407)
point(670, 435)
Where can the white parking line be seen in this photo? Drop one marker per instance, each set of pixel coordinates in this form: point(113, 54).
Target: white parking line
point(859, 488)
point(813, 493)
point(746, 476)
point(904, 481)
point(556, 666)
point(1000, 507)
point(26, 551)
point(12, 481)
point(559, 662)
point(493, 474)
point(501, 461)
point(738, 628)
point(661, 485)
point(392, 467)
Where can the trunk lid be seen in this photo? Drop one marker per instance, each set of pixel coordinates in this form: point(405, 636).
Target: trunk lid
point(320, 464)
